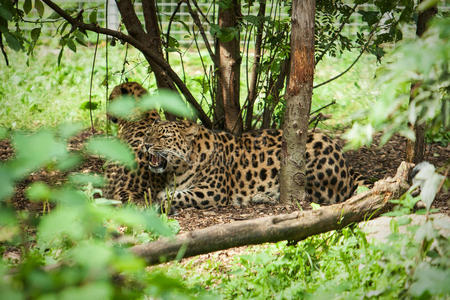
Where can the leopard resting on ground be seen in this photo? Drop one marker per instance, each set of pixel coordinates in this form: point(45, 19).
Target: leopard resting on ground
point(203, 168)
point(131, 184)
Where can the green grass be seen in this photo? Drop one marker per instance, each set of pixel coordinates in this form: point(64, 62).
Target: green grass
point(41, 93)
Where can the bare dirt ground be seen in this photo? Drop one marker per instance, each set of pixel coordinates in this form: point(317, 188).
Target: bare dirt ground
point(373, 162)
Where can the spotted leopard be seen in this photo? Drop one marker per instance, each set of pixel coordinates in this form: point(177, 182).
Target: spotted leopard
point(131, 184)
point(204, 168)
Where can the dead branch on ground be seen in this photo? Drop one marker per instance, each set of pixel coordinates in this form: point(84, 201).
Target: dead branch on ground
point(293, 227)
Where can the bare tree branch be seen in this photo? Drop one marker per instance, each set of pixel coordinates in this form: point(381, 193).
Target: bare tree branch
point(197, 22)
point(3, 50)
point(141, 47)
point(354, 62)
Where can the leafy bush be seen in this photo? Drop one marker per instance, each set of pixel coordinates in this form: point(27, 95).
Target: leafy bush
point(422, 60)
point(79, 248)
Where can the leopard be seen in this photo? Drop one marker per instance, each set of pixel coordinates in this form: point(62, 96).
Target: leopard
point(204, 168)
point(131, 184)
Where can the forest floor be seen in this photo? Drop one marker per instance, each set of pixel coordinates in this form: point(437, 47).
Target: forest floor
point(373, 162)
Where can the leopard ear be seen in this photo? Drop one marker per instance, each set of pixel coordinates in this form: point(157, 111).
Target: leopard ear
point(190, 130)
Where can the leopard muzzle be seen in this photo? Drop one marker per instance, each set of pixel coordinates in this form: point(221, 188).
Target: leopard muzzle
point(157, 162)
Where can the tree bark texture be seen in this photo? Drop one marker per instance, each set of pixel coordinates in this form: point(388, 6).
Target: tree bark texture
point(151, 37)
point(294, 227)
point(415, 151)
point(298, 102)
point(229, 68)
point(254, 75)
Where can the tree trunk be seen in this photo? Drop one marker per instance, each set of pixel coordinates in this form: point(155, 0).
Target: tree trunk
point(151, 38)
point(415, 151)
point(229, 67)
point(254, 75)
point(298, 102)
point(294, 227)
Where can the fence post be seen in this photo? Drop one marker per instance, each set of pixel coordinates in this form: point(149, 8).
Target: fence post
point(113, 15)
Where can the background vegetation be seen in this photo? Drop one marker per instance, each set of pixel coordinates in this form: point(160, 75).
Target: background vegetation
point(77, 246)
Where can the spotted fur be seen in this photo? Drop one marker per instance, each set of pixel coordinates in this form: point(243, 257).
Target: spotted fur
point(131, 184)
point(204, 168)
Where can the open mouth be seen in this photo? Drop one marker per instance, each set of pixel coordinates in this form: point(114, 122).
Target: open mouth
point(157, 163)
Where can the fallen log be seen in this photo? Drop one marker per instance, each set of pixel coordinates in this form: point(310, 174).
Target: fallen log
point(293, 227)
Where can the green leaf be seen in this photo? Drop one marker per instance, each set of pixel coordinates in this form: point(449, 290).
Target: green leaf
point(71, 44)
point(39, 7)
point(38, 191)
point(35, 33)
point(12, 41)
point(3, 133)
point(89, 105)
point(27, 6)
point(147, 219)
point(108, 202)
point(69, 162)
point(124, 107)
point(93, 290)
point(371, 17)
point(6, 10)
point(112, 149)
point(35, 150)
point(60, 55)
point(62, 222)
point(6, 183)
point(430, 280)
point(169, 101)
point(427, 4)
point(92, 255)
point(67, 130)
point(84, 179)
point(93, 17)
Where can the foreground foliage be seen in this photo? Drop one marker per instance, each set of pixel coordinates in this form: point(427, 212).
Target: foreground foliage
point(78, 248)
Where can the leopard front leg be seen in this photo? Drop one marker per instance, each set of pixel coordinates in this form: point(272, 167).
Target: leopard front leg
point(197, 197)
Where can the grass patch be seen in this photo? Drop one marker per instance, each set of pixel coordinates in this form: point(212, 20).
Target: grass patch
point(43, 94)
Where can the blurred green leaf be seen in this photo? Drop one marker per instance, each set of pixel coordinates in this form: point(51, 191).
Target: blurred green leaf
point(95, 290)
point(71, 44)
point(112, 149)
point(6, 10)
point(426, 4)
point(35, 150)
point(67, 130)
point(93, 17)
point(35, 33)
point(104, 201)
point(92, 255)
point(12, 41)
point(169, 101)
point(27, 6)
point(69, 162)
point(89, 105)
point(39, 7)
point(84, 179)
point(3, 133)
point(430, 280)
point(6, 183)
point(142, 219)
point(59, 224)
point(124, 107)
point(38, 191)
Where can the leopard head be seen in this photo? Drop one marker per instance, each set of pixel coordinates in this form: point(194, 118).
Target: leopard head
point(168, 145)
